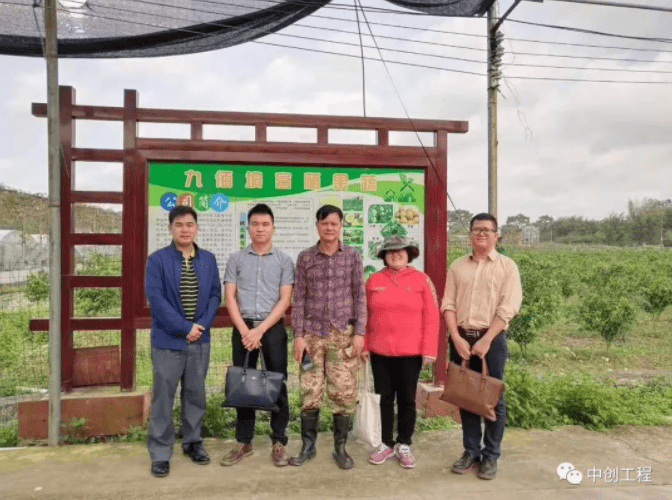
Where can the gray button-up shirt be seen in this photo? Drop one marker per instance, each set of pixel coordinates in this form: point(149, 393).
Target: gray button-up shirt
point(258, 279)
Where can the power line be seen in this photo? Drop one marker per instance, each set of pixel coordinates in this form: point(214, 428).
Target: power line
point(620, 4)
point(592, 32)
point(554, 79)
point(409, 40)
point(596, 46)
point(415, 65)
point(588, 69)
point(374, 59)
point(643, 61)
point(424, 42)
point(459, 71)
point(432, 55)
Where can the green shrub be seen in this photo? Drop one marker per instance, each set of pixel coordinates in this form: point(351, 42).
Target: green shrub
point(136, 434)
point(9, 435)
point(529, 401)
point(608, 313)
point(541, 299)
point(37, 286)
point(657, 296)
point(589, 403)
point(580, 400)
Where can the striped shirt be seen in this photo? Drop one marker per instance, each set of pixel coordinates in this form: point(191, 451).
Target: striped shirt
point(189, 287)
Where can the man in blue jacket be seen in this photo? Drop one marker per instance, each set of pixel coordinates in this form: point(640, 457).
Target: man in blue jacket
point(184, 293)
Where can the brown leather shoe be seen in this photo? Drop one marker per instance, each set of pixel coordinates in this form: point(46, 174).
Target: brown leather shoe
point(239, 451)
point(279, 455)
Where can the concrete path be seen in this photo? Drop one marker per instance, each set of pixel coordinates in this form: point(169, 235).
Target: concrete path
point(527, 470)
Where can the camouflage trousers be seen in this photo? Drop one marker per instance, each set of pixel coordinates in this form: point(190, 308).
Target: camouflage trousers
point(334, 359)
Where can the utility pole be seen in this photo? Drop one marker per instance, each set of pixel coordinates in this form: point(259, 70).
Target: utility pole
point(54, 161)
point(495, 51)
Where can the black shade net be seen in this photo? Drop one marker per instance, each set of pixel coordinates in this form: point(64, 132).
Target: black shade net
point(152, 28)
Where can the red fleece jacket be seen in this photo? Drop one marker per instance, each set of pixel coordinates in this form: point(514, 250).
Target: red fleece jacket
point(403, 317)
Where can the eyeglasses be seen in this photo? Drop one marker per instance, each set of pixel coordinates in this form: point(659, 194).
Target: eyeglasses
point(483, 230)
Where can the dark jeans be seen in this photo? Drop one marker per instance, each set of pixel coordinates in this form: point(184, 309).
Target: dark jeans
point(471, 423)
point(274, 348)
point(396, 375)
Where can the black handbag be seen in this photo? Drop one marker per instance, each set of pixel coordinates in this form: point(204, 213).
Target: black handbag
point(249, 388)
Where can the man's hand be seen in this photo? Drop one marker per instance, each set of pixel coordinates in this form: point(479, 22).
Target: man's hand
point(428, 360)
point(358, 344)
point(366, 355)
point(462, 347)
point(195, 333)
point(481, 347)
point(252, 339)
point(299, 347)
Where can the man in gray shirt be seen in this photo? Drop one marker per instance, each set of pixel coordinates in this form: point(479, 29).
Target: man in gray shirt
point(258, 284)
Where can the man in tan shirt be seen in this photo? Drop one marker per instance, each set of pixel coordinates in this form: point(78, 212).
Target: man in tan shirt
point(482, 296)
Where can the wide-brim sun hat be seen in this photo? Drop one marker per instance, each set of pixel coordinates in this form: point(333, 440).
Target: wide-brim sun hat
point(396, 242)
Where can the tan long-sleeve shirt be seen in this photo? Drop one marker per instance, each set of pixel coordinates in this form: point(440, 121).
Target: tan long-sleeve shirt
point(480, 290)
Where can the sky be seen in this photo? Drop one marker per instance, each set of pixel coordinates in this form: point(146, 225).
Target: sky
point(565, 147)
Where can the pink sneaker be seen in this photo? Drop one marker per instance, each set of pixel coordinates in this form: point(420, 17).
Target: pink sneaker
point(382, 453)
point(405, 456)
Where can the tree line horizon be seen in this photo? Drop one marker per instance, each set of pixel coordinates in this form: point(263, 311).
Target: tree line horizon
point(647, 222)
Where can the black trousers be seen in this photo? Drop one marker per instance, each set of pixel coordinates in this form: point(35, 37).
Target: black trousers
point(396, 376)
point(274, 349)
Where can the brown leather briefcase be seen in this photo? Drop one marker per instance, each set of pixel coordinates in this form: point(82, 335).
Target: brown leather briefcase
point(472, 391)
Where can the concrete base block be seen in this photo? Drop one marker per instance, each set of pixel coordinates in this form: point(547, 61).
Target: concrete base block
point(427, 400)
point(104, 413)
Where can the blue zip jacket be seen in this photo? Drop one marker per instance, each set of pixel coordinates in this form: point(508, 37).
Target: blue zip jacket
point(170, 326)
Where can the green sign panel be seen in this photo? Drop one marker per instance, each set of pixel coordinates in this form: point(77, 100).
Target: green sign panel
point(376, 203)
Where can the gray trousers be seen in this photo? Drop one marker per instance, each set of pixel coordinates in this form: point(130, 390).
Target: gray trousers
point(170, 367)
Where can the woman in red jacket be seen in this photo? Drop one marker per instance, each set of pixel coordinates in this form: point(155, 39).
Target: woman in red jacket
point(402, 334)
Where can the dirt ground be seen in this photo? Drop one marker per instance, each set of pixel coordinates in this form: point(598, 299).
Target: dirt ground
point(528, 469)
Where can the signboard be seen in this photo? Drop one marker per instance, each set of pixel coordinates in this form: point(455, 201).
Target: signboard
point(376, 203)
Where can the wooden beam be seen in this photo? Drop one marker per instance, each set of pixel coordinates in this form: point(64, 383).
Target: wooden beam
point(93, 281)
point(96, 239)
point(78, 324)
point(270, 119)
point(101, 155)
point(97, 197)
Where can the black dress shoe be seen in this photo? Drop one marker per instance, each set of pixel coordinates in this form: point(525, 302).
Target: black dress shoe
point(487, 469)
point(197, 454)
point(464, 464)
point(160, 468)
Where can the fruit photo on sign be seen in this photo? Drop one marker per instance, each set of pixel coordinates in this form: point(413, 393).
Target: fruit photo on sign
point(380, 214)
point(354, 219)
point(407, 215)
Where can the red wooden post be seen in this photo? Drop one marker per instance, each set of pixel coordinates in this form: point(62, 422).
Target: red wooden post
point(129, 265)
point(383, 137)
point(436, 244)
point(67, 244)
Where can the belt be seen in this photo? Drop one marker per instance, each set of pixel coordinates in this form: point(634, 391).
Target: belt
point(472, 334)
point(256, 322)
